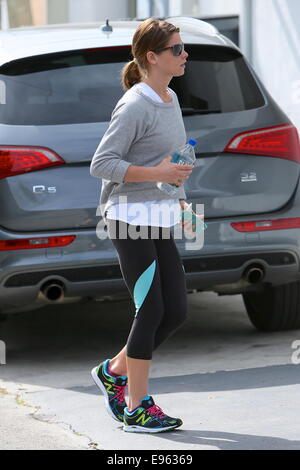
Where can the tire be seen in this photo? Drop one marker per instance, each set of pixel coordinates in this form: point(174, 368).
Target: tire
point(3, 317)
point(276, 308)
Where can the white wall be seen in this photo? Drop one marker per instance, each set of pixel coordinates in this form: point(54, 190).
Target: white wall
point(219, 7)
point(275, 51)
point(191, 7)
point(204, 7)
point(143, 8)
point(94, 10)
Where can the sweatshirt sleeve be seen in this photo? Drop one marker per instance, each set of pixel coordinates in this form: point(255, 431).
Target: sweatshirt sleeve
point(108, 161)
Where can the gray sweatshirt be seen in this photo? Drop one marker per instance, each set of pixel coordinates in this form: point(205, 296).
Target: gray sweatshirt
point(141, 132)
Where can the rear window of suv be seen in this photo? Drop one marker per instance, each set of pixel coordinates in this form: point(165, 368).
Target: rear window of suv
point(84, 86)
point(216, 80)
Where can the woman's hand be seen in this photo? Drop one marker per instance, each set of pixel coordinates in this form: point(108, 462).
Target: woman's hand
point(187, 225)
point(168, 172)
point(184, 204)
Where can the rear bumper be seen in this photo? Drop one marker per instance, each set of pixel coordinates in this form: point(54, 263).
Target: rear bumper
point(89, 267)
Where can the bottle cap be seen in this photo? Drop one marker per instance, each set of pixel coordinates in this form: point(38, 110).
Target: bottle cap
point(193, 142)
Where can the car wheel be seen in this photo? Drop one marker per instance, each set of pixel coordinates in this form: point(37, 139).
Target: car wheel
point(276, 308)
point(3, 317)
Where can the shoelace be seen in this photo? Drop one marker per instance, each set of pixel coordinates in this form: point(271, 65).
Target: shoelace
point(120, 395)
point(156, 410)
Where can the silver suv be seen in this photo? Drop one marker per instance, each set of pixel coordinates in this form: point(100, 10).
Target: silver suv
point(58, 87)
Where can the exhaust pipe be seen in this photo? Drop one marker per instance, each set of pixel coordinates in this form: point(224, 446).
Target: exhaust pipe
point(254, 273)
point(53, 290)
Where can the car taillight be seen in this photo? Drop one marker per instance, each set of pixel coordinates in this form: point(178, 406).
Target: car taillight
point(263, 225)
point(41, 242)
point(15, 160)
point(278, 141)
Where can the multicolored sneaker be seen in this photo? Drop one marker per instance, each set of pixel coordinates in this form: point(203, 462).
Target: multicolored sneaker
point(113, 389)
point(149, 418)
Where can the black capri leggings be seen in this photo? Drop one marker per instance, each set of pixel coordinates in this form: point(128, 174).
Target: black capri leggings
point(154, 275)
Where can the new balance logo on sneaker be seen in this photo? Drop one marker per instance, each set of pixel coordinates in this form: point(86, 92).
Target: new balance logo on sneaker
point(149, 417)
point(113, 389)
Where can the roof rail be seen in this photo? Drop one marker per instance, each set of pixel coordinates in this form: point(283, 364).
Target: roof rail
point(193, 25)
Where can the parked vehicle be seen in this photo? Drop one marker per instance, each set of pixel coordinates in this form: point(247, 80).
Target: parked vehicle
point(58, 87)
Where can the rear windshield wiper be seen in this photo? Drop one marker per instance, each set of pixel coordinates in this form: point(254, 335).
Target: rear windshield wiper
point(186, 111)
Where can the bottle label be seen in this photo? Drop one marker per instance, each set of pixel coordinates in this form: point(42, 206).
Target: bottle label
point(179, 159)
point(175, 157)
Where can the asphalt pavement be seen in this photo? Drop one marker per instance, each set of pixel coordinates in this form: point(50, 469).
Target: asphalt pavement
point(234, 387)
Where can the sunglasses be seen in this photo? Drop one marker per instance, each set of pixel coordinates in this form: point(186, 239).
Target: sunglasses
point(176, 49)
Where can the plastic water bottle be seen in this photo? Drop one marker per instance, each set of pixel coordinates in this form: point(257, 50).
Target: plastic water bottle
point(183, 156)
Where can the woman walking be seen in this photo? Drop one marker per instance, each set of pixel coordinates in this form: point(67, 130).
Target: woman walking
point(146, 127)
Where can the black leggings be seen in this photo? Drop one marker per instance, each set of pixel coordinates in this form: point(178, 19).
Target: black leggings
point(154, 275)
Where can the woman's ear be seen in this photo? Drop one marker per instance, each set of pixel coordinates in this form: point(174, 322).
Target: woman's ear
point(151, 57)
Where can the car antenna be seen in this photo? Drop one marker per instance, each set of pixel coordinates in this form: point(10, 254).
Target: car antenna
point(107, 27)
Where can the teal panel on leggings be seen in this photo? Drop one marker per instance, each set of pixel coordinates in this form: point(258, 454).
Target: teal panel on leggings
point(142, 286)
